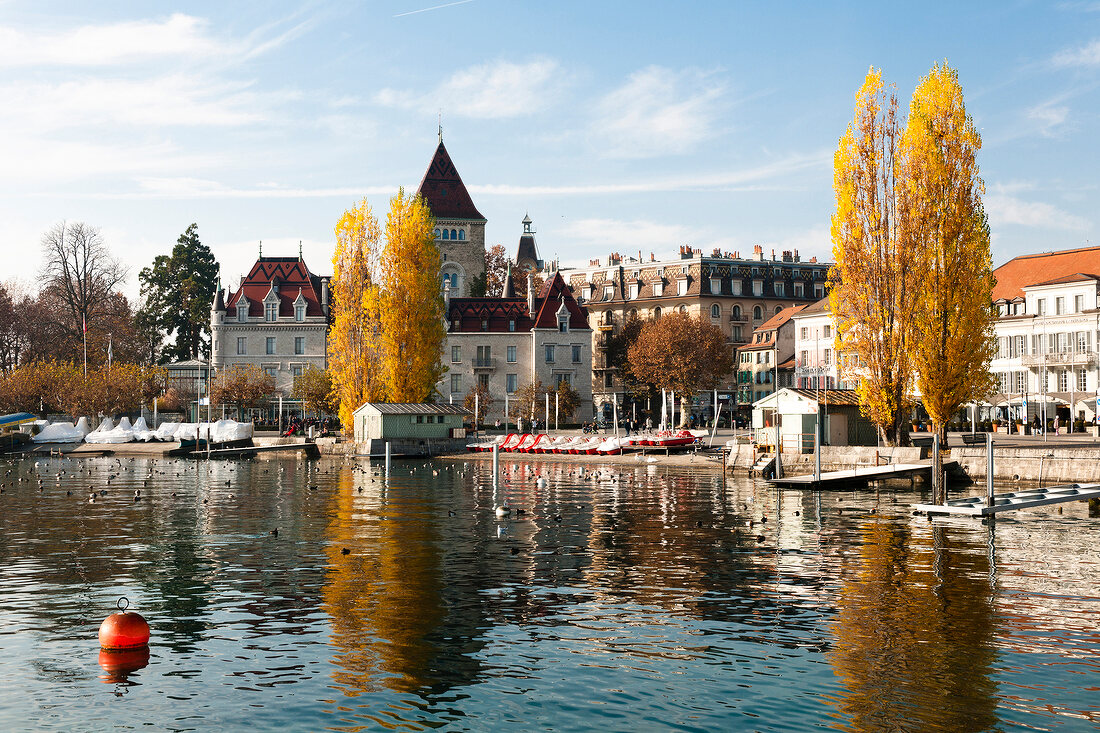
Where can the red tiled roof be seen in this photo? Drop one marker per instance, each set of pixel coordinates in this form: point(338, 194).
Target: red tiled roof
point(444, 191)
point(779, 318)
point(292, 276)
point(470, 312)
point(1077, 277)
point(1046, 267)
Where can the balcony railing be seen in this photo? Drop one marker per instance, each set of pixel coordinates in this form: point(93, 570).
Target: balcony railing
point(484, 364)
point(1065, 358)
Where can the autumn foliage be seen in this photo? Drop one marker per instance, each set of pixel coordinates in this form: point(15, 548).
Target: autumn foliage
point(243, 385)
point(681, 353)
point(60, 387)
point(911, 287)
point(387, 306)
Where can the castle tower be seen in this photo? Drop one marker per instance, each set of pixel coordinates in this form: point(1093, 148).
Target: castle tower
point(459, 226)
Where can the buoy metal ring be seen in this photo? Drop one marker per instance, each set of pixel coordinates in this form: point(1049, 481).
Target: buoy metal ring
point(123, 603)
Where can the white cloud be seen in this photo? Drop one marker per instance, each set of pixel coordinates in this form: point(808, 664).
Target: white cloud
point(495, 90)
point(164, 101)
point(1048, 117)
point(101, 45)
point(658, 112)
point(1003, 209)
point(1087, 55)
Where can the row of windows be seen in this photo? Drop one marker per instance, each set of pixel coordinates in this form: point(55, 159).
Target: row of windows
point(779, 289)
point(511, 381)
point(826, 332)
point(1059, 306)
point(1058, 380)
point(269, 345)
point(1070, 342)
point(563, 321)
point(484, 354)
point(715, 313)
point(825, 358)
point(459, 234)
point(271, 371)
point(271, 312)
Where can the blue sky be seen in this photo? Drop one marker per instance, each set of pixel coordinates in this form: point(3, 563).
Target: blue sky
point(620, 126)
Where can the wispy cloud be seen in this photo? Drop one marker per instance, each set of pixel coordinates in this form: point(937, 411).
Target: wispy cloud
point(611, 235)
point(1005, 209)
point(434, 7)
point(658, 111)
point(102, 45)
point(1048, 117)
point(749, 179)
point(1087, 55)
point(495, 90)
point(104, 98)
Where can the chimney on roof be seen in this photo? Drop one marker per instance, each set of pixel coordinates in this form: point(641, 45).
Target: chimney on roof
point(324, 295)
point(814, 259)
point(530, 296)
point(796, 259)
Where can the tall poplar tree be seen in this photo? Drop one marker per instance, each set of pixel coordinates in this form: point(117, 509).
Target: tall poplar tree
point(942, 195)
point(412, 302)
point(875, 283)
point(354, 340)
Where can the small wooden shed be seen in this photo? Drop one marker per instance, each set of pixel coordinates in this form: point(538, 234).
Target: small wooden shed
point(397, 421)
point(798, 411)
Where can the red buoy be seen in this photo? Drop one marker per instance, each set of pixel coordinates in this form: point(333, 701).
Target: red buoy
point(123, 630)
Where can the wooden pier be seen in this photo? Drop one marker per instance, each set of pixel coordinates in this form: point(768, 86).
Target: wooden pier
point(859, 476)
point(310, 449)
point(981, 506)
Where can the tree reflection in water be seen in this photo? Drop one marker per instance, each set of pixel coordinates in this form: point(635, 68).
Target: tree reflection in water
point(914, 631)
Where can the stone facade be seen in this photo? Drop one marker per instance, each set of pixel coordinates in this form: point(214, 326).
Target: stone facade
point(460, 227)
point(507, 343)
point(737, 295)
point(276, 320)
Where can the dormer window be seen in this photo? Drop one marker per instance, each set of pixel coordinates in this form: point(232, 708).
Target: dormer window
point(563, 324)
point(608, 292)
point(299, 312)
point(271, 312)
point(715, 285)
point(242, 311)
point(682, 286)
point(658, 288)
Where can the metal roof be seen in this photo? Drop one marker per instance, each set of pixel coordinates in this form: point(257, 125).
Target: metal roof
point(415, 408)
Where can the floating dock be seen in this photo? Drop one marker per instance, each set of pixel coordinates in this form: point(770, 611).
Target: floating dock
point(858, 475)
point(981, 506)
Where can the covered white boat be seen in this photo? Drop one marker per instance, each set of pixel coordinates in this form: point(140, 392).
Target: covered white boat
point(63, 432)
point(142, 432)
point(121, 433)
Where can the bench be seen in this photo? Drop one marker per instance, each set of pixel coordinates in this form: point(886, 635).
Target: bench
point(973, 438)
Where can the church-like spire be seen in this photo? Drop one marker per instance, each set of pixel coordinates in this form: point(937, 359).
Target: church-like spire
point(444, 191)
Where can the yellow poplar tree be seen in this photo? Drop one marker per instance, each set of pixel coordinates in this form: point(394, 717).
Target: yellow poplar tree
point(875, 283)
point(354, 341)
point(412, 302)
point(943, 197)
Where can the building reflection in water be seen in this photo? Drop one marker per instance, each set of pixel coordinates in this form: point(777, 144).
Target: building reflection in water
point(914, 631)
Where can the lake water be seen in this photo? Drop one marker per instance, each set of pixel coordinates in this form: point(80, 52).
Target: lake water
point(648, 598)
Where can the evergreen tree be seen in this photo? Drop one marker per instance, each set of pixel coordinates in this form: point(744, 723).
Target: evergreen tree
point(178, 290)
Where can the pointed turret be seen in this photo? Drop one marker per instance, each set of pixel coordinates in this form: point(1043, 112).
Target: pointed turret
point(444, 191)
point(508, 290)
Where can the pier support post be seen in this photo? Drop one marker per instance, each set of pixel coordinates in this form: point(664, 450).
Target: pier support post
point(989, 469)
point(496, 466)
point(387, 460)
point(817, 450)
point(937, 477)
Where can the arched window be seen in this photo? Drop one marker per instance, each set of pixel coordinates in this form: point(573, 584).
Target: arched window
point(683, 309)
point(445, 234)
point(777, 309)
point(657, 313)
point(737, 312)
point(757, 313)
point(609, 318)
point(461, 234)
point(454, 234)
point(716, 311)
point(437, 232)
